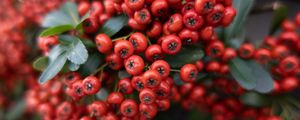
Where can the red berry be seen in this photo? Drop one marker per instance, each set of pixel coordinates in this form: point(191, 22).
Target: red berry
point(147, 96)
point(197, 93)
point(123, 48)
point(134, 65)
point(188, 73)
point(297, 20)
point(64, 110)
point(200, 65)
point(229, 15)
point(207, 33)
point(162, 67)
point(115, 98)
point(175, 23)
point(188, 37)
point(159, 7)
point(213, 66)
point(97, 108)
point(204, 6)
point(134, 25)
point(289, 64)
point(104, 43)
point(96, 9)
point(155, 29)
point(171, 44)
point(280, 52)
point(114, 61)
point(148, 111)
point(142, 16)
point(109, 7)
point(151, 79)
point(137, 83)
point(139, 42)
point(71, 77)
point(163, 90)
point(154, 52)
point(229, 54)
point(90, 25)
point(91, 85)
point(163, 105)
point(192, 20)
point(215, 49)
point(125, 86)
point(78, 89)
point(217, 14)
point(83, 7)
point(135, 4)
point(246, 51)
point(263, 56)
point(188, 6)
point(129, 108)
point(289, 83)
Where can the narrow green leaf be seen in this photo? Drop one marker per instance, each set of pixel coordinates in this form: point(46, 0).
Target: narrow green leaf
point(255, 99)
point(279, 16)
point(70, 9)
point(114, 25)
point(16, 111)
point(56, 18)
point(40, 63)
point(89, 44)
point(56, 30)
point(264, 83)
point(55, 52)
point(53, 68)
point(243, 8)
point(77, 52)
point(186, 55)
point(242, 73)
point(73, 67)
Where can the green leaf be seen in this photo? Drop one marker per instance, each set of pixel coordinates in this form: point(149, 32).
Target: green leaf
point(255, 99)
point(89, 44)
point(70, 9)
point(56, 30)
point(102, 94)
point(56, 51)
point(40, 63)
point(94, 60)
point(53, 68)
point(123, 74)
point(177, 80)
point(66, 15)
point(114, 25)
point(84, 17)
point(16, 111)
point(264, 83)
point(73, 67)
point(243, 73)
point(186, 55)
point(56, 18)
point(243, 8)
point(279, 16)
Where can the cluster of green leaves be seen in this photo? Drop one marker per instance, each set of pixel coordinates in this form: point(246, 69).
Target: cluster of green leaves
point(71, 53)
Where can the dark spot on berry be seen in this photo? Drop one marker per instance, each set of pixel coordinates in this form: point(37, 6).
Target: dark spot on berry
point(70, 77)
point(142, 15)
point(187, 41)
point(128, 110)
point(208, 5)
point(151, 82)
point(172, 46)
point(89, 86)
point(289, 65)
point(192, 74)
point(156, 57)
point(134, 43)
point(191, 21)
point(123, 52)
point(161, 70)
point(147, 99)
point(160, 93)
point(214, 51)
point(217, 16)
point(139, 85)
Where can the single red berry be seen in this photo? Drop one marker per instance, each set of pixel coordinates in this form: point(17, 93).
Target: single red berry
point(103, 18)
point(215, 49)
point(137, 83)
point(224, 69)
point(129, 108)
point(85, 118)
point(162, 67)
point(175, 23)
point(109, 7)
point(166, 29)
point(163, 90)
point(114, 61)
point(154, 52)
point(188, 6)
point(125, 86)
point(135, 4)
point(229, 54)
point(229, 15)
point(104, 43)
point(246, 50)
point(71, 77)
point(127, 10)
point(288, 38)
point(263, 56)
point(46, 110)
point(142, 16)
point(83, 7)
point(151, 79)
point(270, 42)
point(147, 96)
point(96, 9)
point(134, 65)
point(90, 25)
point(207, 33)
point(289, 64)
point(217, 14)
point(197, 93)
point(169, 80)
point(91, 85)
point(288, 25)
point(148, 111)
point(47, 43)
point(115, 98)
point(65, 110)
point(159, 7)
point(188, 37)
point(123, 48)
point(200, 65)
point(289, 83)
point(134, 25)
point(110, 116)
point(188, 73)
point(139, 42)
point(192, 20)
point(97, 108)
point(78, 89)
point(280, 51)
point(213, 66)
point(204, 6)
point(163, 105)
point(186, 88)
point(155, 30)
point(171, 44)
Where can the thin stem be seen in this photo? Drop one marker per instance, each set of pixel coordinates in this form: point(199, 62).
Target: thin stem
point(99, 69)
point(121, 38)
point(149, 42)
point(175, 70)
